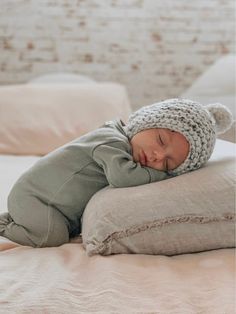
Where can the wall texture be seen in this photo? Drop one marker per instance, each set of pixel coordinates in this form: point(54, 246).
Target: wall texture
point(156, 48)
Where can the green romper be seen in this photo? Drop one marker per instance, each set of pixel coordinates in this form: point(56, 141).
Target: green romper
point(47, 202)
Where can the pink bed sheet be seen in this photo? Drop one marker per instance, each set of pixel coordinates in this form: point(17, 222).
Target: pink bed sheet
point(66, 280)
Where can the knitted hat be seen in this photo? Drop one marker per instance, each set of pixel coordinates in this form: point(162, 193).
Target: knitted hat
point(199, 124)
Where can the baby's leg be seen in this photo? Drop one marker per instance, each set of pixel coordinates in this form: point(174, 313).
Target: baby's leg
point(31, 222)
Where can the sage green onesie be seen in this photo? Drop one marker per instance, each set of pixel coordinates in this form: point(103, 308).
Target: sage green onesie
point(46, 203)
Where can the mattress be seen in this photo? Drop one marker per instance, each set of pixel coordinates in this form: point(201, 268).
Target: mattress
point(65, 280)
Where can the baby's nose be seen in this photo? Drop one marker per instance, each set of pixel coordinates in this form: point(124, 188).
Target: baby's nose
point(157, 155)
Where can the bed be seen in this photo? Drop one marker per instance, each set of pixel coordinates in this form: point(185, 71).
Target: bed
point(66, 280)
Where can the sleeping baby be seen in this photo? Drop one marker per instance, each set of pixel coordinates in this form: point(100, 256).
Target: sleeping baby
point(160, 141)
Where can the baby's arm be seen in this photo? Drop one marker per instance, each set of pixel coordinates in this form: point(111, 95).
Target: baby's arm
point(121, 170)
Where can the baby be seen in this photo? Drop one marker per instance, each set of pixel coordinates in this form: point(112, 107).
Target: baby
point(160, 141)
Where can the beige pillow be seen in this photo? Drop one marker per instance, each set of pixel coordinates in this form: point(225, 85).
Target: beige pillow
point(35, 119)
point(190, 213)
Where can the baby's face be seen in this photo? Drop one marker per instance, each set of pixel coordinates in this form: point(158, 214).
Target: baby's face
point(161, 149)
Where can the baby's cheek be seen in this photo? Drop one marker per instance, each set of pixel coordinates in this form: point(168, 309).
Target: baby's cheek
point(157, 166)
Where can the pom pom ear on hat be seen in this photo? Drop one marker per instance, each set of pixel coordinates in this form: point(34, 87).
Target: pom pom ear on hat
point(222, 116)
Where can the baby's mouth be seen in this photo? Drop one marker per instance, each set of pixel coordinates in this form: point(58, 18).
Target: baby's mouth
point(142, 158)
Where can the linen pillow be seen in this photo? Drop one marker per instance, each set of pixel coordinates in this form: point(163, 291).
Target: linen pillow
point(190, 213)
point(35, 119)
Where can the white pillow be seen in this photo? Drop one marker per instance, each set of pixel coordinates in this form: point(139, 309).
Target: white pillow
point(35, 119)
point(217, 84)
point(53, 78)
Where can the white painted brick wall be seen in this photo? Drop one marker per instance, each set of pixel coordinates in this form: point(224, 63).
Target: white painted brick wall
point(154, 47)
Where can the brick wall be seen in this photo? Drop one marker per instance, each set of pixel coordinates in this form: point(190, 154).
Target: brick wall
point(155, 47)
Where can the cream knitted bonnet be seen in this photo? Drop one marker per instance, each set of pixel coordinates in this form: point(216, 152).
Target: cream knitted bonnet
point(199, 124)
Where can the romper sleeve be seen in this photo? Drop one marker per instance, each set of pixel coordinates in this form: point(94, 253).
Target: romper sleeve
point(121, 170)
